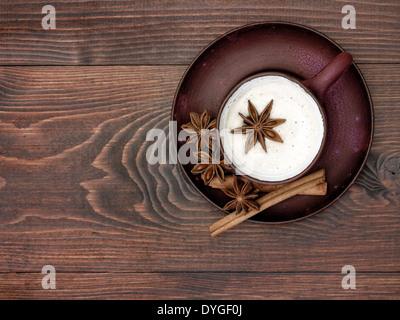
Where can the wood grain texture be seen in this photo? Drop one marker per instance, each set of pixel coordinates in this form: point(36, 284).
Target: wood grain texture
point(78, 192)
point(173, 32)
point(200, 286)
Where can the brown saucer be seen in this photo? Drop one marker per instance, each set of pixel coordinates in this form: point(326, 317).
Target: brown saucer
point(302, 52)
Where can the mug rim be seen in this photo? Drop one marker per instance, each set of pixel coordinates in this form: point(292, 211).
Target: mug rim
point(308, 91)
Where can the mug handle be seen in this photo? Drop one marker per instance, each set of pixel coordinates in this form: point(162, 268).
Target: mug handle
point(321, 82)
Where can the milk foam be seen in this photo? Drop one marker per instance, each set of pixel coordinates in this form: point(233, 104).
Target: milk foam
point(302, 133)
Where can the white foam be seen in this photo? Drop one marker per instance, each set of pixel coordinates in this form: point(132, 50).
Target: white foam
point(302, 133)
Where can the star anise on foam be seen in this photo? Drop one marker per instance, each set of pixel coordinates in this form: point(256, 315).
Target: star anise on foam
point(243, 196)
point(210, 167)
point(261, 126)
point(200, 129)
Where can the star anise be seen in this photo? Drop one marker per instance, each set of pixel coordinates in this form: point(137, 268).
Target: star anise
point(260, 125)
point(210, 167)
point(200, 129)
point(243, 196)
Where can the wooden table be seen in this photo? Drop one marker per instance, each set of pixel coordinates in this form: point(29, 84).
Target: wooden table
point(77, 192)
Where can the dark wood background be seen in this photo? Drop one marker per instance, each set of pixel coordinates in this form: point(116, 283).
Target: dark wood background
point(77, 193)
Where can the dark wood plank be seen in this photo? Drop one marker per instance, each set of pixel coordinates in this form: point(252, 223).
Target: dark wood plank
point(173, 32)
point(78, 193)
point(199, 286)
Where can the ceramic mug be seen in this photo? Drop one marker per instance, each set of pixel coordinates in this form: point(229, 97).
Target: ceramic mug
point(316, 87)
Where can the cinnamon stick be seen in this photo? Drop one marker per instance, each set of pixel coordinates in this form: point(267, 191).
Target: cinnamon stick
point(215, 183)
point(289, 190)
